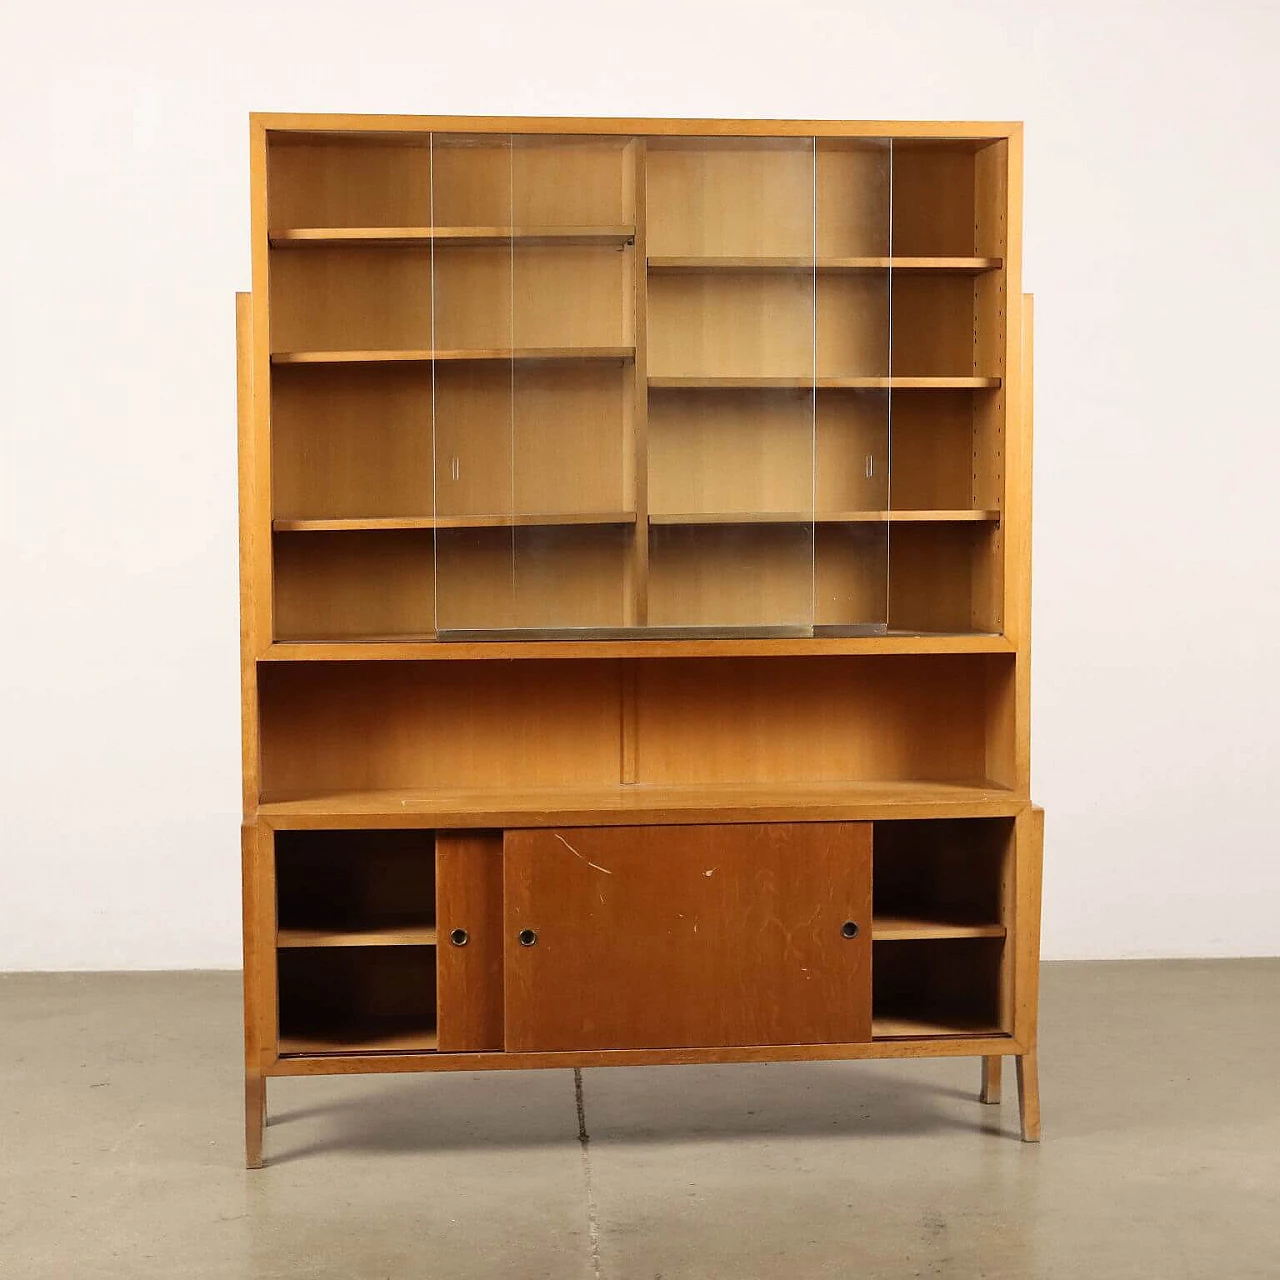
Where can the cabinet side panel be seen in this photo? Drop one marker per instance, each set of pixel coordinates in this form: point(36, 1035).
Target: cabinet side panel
point(469, 971)
point(249, 499)
point(261, 629)
point(257, 849)
point(992, 416)
point(1028, 879)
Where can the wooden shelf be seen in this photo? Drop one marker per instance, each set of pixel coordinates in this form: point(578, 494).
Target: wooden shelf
point(401, 936)
point(635, 805)
point(907, 928)
point(806, 382)
point(900, 1028)
point(480, 237)
point(457, 522)
point(824, 517)
point(382, 1035)
point(845, 266)
point(413, 648)
point(477, 354)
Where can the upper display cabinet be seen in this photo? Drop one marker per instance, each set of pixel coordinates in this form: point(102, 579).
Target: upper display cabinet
point(605, 384)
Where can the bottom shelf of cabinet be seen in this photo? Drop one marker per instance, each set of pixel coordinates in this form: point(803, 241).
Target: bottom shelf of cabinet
point(907, 1027)
point(379, 1035)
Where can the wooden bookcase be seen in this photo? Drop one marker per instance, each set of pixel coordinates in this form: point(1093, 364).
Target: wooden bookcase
point(635, 560)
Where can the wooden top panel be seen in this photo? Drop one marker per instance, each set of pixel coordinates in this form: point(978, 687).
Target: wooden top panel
point(323, 124)
point(640, 805)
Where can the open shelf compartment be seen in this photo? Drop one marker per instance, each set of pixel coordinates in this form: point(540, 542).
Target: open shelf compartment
point(356, 941)
point(942, 913)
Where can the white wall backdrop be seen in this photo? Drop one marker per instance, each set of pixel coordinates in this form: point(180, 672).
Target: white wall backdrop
point(1153, 245)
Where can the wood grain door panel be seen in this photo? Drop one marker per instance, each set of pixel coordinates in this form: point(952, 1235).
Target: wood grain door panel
point(469, 971)
point(666, 937)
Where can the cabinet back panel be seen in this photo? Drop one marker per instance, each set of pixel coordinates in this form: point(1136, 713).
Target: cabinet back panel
point(530, 182)
point(388, 725)
point(945, 869)
point(355, 879)
point(542, 439)
point(731, 451)
point(567, 297)
point(730, 575)
point(354, 585)
point(933, 327)
point(472, 297)
point(530, 297)
point(850, 574)
point(349, 184)
point(571, 182)
point(726, 325)
point(939, 578)
point(933, 199)
point(853, 198)
point(351, 441)
point(539, 577)
point(350, 299)
point(853, 439)
point(730, 198)
point(954, 984)
point(866, 719)
point(933, 462)
point(853, 325)
point(471, 180)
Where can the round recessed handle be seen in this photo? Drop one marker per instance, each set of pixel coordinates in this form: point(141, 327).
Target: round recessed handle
point(459, 937)
point(527, 937)
point(849, 929)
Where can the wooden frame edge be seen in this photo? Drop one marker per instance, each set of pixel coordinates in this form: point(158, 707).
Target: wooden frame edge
point(356, 1064)
point(260, 400)
point(303, 122)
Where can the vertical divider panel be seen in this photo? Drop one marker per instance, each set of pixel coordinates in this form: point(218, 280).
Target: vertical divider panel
point(469, 968)
point(634, 179)
point(853, 339)
point(261, 572)
point(471, 282)
point(261, 1019)
point(992, 327)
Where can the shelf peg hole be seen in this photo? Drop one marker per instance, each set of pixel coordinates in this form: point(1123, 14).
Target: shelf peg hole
point(527, 937)
point(849, 929)
point(459, 937)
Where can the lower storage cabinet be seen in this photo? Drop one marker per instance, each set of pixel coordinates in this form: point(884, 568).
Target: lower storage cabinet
point(642, 937)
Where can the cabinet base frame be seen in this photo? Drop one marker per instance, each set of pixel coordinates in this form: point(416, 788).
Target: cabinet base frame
point(990, 1049)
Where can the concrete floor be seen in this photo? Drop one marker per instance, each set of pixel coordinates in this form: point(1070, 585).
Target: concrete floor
point(120, 1150)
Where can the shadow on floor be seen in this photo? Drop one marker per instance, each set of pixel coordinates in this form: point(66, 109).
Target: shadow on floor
point(526, 1111)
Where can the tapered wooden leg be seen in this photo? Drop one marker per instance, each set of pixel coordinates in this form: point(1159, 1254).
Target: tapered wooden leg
point(1029, 1096)
point(991, 1080)
point(255, 1114)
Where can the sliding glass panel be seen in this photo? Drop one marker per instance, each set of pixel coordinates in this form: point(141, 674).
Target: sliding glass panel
point(730, 359)
point(854, 389)
point(472, 382)
point(572, 453)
